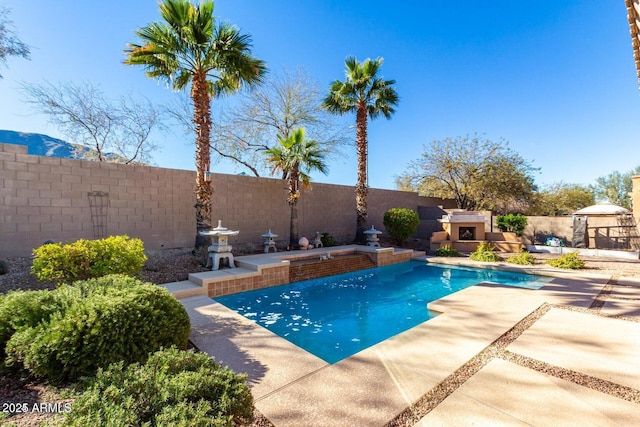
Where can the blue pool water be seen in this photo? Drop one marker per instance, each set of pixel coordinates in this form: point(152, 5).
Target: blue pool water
point(335, 317)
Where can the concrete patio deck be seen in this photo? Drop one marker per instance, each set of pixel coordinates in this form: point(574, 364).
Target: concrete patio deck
point(494, 356)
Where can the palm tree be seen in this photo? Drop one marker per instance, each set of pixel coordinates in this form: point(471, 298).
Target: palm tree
point(368, 95)
point(189, 46)
point(295, 157)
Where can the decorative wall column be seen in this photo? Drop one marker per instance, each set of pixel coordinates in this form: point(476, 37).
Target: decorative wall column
point(635, 197)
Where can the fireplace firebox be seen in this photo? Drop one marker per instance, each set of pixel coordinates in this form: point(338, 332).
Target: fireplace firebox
point(467, 233)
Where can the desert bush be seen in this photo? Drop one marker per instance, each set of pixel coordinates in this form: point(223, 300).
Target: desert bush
point(512, 223)
point(91, 324)
point(328, 240)
point(401, 223)
point(485, 252)
point(85, 259)
point(568, 261)
point(25, 309)
point(173, 388)
point(447, 251)
point(522, 258)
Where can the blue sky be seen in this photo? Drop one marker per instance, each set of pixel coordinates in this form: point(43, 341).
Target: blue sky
point(554, 78)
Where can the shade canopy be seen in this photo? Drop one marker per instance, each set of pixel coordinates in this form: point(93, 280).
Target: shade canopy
point(604, 208)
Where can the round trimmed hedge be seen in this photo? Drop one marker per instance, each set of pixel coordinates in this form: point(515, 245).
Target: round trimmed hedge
point(401, 223)
point(89, 325)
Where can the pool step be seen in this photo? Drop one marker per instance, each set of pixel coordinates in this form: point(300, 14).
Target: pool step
point(314, 268)
point(184, 289)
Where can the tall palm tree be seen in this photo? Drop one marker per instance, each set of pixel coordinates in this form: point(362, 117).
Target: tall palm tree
point(368, 95)
point(295, 157)
point(189, 47)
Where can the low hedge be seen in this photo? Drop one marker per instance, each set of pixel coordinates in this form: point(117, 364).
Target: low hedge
point(91, 324)
point(173, 388)
point(569, 261)
point(485, 252)
point(85, 259)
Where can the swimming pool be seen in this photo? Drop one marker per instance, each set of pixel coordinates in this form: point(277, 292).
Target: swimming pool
point(337, 316)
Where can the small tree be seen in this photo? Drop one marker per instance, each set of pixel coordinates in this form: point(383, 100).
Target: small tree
point(401, 223)
point(295, 157)
point(512, 223)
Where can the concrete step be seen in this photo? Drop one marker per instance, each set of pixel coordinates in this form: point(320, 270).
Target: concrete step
point(184, 289)
point(207, 277)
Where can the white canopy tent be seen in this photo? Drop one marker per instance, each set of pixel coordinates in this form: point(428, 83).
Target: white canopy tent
point(602, 209)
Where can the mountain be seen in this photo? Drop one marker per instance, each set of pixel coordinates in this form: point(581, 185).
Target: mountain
point(39, 144)
point(44, 145)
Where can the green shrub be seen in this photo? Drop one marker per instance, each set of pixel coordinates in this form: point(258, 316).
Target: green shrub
point(328, 240)
point(85, 259)
point(91, 324)
point(401, 223)
point(512, 223)
point(25, 309)
point(485, 252)
point(523, 258)
point(448, 251)
point(569, 261)
point(173, 388)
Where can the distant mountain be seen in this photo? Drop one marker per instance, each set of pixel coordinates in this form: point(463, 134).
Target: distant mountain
point(39, 144)
point(44, 145)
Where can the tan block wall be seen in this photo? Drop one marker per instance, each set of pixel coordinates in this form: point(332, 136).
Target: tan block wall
point(46, 198)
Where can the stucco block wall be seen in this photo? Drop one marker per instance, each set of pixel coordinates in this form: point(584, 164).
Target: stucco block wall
point(46, 198)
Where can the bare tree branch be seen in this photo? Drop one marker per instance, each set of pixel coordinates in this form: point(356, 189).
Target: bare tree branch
point(102, 129)
point(10, 44)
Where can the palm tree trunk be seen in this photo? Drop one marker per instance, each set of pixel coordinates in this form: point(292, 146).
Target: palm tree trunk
point(293, 226)
point(203, 191)
point(292, 199)
point(361, 185)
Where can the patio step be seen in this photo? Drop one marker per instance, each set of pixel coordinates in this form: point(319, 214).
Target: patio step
point(206, 278)
point(184, 289)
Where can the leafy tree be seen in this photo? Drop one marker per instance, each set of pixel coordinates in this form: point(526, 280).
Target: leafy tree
point(560, 199)
point(104, 130)
point(10, 44)
point(295, 157)
point(189, 47)
point(283, 102)
point(369, 96)
point(616, 187)
point(476, 172)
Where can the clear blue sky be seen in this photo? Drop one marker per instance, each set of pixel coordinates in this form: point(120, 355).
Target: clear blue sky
point(554, 78)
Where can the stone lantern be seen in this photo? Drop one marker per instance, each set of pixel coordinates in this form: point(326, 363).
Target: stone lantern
point(317, 240)
point(220, 247)
point(267, 240)
point(372, 237)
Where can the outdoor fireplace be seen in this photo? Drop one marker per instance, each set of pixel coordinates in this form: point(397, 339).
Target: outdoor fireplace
point(467, 233)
